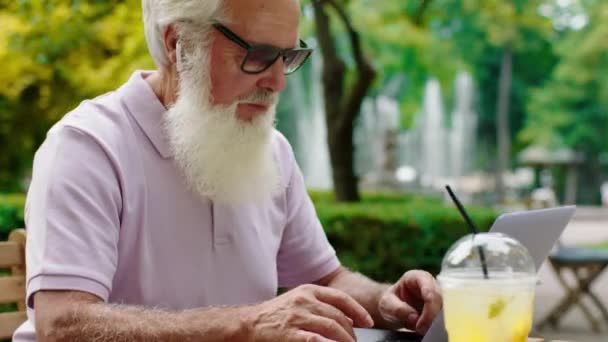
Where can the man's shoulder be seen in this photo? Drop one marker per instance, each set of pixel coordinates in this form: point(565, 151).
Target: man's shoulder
point(280, 141)
point(285, 157)
point(96, 131)
point(120, 120)
point(104, 119)
point(282, 148)
point(100, 117)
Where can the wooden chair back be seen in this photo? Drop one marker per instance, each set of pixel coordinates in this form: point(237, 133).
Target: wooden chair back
point(12, 285)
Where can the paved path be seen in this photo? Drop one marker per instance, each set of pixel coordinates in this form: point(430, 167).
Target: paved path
point(590, 225)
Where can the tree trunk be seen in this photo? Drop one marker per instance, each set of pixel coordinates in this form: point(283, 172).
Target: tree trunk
point(341, 151)
point(502, 121)
point(341, 105)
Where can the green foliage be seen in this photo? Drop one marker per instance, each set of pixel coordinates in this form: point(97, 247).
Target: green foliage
point(479, 30)
point(401, 47)
point(55, 54)
point(570, 109)
point(385, 235)
point(7, 308)
point(11, 214)
point(323, 197)
point(505, 23)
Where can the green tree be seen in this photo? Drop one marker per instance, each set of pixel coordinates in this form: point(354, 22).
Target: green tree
point(347, 79)
point(404, 40)
point(508, 46)
point(55, 54)
point(342, 100)
point(505, 24)
point(571, 108)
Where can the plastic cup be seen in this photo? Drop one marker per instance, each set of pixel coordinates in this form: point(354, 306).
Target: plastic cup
point(494, 309)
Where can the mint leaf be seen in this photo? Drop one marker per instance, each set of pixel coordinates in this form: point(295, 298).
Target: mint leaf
point(496, 308)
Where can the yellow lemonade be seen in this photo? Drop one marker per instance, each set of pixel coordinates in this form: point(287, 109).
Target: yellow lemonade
point(488, 310)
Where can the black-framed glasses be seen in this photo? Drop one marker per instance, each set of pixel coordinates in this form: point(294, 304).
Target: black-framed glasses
point(261, 57)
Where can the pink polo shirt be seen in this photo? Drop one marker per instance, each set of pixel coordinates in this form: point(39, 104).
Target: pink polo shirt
point(108, 213)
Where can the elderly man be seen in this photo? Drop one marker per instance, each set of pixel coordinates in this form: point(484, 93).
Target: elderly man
point(170, 209)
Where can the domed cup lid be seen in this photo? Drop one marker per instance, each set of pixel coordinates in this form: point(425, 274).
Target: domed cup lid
point(504, 258)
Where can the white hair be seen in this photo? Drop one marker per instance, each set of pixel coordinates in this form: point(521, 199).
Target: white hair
point(159, 14)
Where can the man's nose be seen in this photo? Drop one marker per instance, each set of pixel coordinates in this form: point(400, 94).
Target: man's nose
point(273, 79)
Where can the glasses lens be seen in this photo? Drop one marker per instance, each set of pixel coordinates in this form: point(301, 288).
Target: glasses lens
point(294, 59)
point(260, 58)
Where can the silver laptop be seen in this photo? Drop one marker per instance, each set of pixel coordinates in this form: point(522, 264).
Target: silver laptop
point(538, 230)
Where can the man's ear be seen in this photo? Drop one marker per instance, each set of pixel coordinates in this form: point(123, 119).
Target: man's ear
point(170, 38)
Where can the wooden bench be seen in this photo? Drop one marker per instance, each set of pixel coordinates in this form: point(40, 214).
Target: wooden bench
point(12, 286)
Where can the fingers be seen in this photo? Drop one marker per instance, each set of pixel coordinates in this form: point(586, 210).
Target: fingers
point(327, 328)
point(346, 304)
point(429, 295)
point(394, 310)
point(433, 302)
point(328, 311)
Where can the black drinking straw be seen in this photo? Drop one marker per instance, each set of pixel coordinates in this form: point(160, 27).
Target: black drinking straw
point(471, 225)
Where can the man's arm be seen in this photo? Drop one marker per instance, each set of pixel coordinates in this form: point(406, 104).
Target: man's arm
point(79, 316)
point(308, 313)
point(364, 290)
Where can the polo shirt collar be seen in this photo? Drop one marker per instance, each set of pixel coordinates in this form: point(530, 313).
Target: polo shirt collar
point(147, 110)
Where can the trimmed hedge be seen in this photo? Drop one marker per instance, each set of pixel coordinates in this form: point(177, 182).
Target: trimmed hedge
point(385, 235)
point(11, 213)
point(382, 236)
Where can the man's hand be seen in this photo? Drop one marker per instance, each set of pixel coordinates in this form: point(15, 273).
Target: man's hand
point(413, 301)
point(309, 313)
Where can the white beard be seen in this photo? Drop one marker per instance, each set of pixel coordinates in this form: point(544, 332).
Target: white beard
point(222, 158)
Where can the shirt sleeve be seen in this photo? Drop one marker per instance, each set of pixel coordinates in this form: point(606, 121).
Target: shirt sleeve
point(305, 254)
point(72, 216)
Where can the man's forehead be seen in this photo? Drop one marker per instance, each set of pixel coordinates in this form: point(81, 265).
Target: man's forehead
point(250, 7)
point(267, 12)
point(265, 21)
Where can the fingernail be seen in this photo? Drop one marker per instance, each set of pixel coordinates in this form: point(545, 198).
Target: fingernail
point(412, 319)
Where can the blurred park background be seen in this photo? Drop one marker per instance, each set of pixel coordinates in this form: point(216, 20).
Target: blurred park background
point(507, 101)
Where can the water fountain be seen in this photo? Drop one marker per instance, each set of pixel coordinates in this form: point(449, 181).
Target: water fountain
point(464, 126)
point(432, 159)
point(430, 153)
point(441, 153)
point(312, 132)
point(376, 142)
